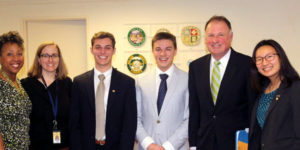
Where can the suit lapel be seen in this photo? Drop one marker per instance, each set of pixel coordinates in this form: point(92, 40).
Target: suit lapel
point(113, 88)
point(170, 89)
point(230, 70)
point(206, 78)
point(274, 102)
point(150, 81)
point(90, 89)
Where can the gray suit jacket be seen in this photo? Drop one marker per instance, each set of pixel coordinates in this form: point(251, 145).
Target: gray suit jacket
point(172, 123)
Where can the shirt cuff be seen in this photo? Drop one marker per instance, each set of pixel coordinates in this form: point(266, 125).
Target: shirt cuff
point(147, 141)
point(168, 146)
point(193, 148)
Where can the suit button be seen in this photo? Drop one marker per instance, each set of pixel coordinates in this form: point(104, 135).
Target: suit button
point(214, 116)
point(158, 121)
point(262, 145)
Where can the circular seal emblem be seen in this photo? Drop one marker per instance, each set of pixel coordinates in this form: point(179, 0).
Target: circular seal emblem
point(136, 63)
point(163, 30)
point(136, 36)
point(190, 35)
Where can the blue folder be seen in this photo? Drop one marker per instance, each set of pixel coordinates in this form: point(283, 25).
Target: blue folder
point(241, 139)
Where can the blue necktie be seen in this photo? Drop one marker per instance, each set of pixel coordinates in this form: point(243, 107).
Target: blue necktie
point(162, 91)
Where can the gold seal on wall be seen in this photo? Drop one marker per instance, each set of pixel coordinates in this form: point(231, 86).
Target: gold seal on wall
point(136, 64)
point(163, 30)
point(190, 35)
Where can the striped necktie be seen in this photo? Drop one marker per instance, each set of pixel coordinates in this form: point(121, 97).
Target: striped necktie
point(215, 81)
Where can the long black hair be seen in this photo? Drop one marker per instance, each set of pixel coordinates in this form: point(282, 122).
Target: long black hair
point(286, 72)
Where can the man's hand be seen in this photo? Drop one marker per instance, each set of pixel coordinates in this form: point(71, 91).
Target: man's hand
point(155, 147)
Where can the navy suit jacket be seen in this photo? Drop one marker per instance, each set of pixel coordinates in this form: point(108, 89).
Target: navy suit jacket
point(213, 127)
point(281, 129)
point(121, 114)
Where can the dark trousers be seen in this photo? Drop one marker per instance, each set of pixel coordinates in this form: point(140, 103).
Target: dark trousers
point(99, 147)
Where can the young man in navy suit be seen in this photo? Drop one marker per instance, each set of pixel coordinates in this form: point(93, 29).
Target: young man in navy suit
point(220, 95)
point(103, 110)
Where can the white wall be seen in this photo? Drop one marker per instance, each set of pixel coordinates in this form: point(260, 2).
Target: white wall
point(251, 21)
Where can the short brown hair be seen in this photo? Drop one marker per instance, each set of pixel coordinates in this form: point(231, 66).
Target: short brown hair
point(218, 18)
point(102, 35)
point(164, 36)
point(36, 68)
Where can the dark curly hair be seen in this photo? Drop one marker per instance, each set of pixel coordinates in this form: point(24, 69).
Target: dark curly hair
point(11, 37)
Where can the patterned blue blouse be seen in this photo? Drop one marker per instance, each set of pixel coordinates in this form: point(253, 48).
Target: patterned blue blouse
point(263, 106)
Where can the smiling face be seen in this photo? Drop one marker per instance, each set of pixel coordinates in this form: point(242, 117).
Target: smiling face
point(103, 51)
point(268, 68)
point(11, 59)
point(218, 38)
point(49, 59)
point(164, 53)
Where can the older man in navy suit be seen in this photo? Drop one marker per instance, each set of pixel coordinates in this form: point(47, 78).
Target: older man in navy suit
point(103, 108)
point(220, 95)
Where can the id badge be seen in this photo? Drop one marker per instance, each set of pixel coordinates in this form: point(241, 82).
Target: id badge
point(56, 137)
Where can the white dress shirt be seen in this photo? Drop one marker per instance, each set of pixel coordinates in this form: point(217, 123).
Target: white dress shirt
point(224, 61)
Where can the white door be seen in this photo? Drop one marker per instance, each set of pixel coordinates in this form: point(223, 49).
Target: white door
point(70, 35)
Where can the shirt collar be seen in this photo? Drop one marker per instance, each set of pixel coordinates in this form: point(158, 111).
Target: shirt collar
point(224, 60)
point(106, 73)
point(169, 72)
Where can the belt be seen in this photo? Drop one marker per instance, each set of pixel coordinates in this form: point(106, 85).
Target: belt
point(100, 142)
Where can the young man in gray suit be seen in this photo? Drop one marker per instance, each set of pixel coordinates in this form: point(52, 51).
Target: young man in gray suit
point(162, 99)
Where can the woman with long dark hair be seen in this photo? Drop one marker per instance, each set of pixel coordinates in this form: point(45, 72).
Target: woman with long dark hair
point(275, 121)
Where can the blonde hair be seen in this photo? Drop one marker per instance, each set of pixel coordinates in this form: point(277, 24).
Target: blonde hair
point(36, 68)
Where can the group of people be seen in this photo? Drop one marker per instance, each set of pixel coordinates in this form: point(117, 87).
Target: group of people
point(165, 109)
point(28, 106)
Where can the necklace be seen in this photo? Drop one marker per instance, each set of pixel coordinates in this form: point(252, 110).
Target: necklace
point(19, 87)
point(273, 87)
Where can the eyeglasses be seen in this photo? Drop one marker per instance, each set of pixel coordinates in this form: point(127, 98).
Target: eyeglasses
point(49, 56)
point(269, 57)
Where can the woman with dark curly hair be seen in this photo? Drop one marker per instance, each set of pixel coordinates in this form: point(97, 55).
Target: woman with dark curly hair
point(275, 121)
point(15, 104)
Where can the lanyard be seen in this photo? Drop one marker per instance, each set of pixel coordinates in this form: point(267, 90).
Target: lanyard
point(54, 105)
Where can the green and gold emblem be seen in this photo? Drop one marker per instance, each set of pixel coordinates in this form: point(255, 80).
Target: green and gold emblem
point(136, 36)
point(136, 63)
point(190, 35)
